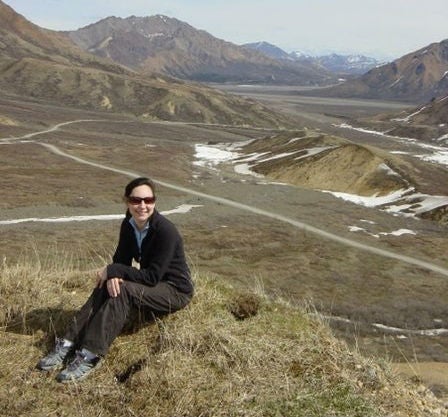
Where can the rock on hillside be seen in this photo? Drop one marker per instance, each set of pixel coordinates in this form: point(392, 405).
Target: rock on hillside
point(418, 76)
point(165, 45)
point(46, 65)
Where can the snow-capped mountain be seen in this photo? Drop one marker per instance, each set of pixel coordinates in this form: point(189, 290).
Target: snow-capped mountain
point(335, 63)
point(164, 45)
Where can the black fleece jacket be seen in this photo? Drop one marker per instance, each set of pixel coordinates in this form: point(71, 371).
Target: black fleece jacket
point(162, 256)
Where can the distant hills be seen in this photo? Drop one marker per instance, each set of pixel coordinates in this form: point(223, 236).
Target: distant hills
point(417, 77)
point(320, 161)
point(427, 122)
point(435, 113)
point(325, 162)
point(44, 64)
point(342, 65)
point(159, 44)
point(162, 45)
point(270, 50)
point(129, 64)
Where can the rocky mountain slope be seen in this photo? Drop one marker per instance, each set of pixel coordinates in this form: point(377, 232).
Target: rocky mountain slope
point(426, 123)
point(168, 46)
point(20, 39)
point(417, 77)
point(343, 65)
point(434, 113)
point(270, 50)
point(347, 64)
point(47, 65)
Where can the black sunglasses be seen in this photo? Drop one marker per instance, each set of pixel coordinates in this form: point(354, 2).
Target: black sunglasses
point(137, 200)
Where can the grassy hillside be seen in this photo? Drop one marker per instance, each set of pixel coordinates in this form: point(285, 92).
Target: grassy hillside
point(230, 353)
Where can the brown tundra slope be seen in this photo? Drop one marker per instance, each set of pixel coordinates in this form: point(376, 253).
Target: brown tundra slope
point(416, 77)
point(47, 65)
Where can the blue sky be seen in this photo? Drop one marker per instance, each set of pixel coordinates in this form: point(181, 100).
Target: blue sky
point(381, 28)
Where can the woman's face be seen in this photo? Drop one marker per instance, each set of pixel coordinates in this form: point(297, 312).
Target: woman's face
point(140, 210)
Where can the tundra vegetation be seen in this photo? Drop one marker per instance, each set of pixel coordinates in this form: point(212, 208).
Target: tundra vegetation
point(229, 353)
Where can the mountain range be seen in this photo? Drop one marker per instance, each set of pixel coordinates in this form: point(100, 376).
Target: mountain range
point(44, 64)
point(342, 65)
point(128, 65)
point(162, 45)
point(417, 77)
point(159, 44)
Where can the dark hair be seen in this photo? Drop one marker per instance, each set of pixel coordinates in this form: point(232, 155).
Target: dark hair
point(136, 183)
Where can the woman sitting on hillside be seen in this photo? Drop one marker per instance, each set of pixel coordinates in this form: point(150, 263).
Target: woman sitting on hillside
point(162, 285)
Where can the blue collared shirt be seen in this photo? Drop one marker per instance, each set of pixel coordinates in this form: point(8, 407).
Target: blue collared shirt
point(139, 234)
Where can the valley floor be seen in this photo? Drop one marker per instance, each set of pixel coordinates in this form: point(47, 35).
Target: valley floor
point(223, 238)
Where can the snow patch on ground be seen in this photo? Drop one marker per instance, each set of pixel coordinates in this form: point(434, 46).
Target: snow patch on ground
point(398, 232)
point(314, 151)
point(442, 138)
point(295, 139)
point(401, 333)
point(439, 158)
point(417, 203)
point(389, 171)
point(278, 156)
point(372, 201)
point(360, 129)
point(182, 209)
point(407, 118)
point(244, 169)
point(404, 201)
point(439, 153)
point(427, 332)
point(212, 155)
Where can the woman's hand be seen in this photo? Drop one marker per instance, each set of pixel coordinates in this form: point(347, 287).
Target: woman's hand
point(113, 286)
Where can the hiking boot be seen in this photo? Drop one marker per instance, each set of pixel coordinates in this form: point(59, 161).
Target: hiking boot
point(56, 357)
point(79, 368)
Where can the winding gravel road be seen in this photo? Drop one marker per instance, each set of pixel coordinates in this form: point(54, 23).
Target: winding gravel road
point(293, 222)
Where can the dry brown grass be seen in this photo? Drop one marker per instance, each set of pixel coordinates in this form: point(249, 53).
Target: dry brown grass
point(201, 361)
